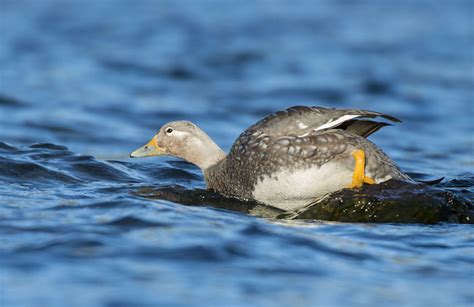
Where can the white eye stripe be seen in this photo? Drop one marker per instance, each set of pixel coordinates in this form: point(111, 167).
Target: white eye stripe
point(180, 134)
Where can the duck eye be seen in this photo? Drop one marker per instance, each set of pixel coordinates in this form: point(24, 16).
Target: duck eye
point(169, 130)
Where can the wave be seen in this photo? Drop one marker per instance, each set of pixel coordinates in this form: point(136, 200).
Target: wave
point(46, 164)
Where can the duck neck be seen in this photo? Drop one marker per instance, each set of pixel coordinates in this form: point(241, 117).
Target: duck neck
point(214, 154)
point(206, 154)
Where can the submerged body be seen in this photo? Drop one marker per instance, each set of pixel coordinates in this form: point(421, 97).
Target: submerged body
point(287, 159)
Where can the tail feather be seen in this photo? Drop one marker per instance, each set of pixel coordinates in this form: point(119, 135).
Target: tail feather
point(363, 128)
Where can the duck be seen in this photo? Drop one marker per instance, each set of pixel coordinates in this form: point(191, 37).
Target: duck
point(289, 158)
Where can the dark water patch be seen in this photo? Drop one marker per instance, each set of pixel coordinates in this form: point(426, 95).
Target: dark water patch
point(305, 94)
point(5, 148)
point(431, 245)
point(235, 249)
point(464, 181)
point(46, 152)
point(37, 153)
point(130, 67)
point(21, 171)
point(114, 109)
point(233, 66)
point(180, 73)
point(468, 260)
point(173, 72)
point(375, 48)
point(44, 162)
point(6, 101)
point(75, 248)
point(154, 172)
point(459, 82)
point(425, 178)
point(255, 229)
point(313, 244)
point(34, 149)
point(419, 176)
point(57, 128)
point(198, 197)
point(199, 253)
point(392, 201)
point(99, 171)
point(47, 156)
point(12, 229)
point(174, 173)
point(377, 87)
point(399, 234)
point(463, 184)
point(115, 189)
point(106, 204)
point(79, 159)
point(290, 271)
point(135, 222)
point(183, 164)
point(130, 302)
point(25, 266)
point(235, 59)
point(48, 146)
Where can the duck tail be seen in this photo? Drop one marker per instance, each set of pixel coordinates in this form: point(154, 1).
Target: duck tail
point(363, 128)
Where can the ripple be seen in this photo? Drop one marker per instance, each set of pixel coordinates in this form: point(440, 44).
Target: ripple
point(49, 146)
point(317, 246)
point(135, 222)
point(21, 171)
point(7, 148)
point(198, 253)
point(98, 171)
point(66, 247)
point(46, 162)
point(107, 204)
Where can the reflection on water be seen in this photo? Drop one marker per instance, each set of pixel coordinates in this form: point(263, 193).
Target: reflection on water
point(84, 83)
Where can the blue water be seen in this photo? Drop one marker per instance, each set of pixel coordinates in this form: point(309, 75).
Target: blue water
point(83, 83)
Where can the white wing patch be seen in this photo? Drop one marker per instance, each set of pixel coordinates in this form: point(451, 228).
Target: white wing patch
point(334, 123)
point(301, 125)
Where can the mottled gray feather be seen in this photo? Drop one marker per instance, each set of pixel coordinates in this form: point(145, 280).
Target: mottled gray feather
point(289, 121)
point(289, 141)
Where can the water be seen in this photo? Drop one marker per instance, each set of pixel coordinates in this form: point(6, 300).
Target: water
point(83, 83)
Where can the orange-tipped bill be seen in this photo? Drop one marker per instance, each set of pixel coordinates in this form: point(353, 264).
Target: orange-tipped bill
point(149, 150)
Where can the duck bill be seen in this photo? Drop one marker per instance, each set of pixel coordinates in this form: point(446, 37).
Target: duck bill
point(149, 150)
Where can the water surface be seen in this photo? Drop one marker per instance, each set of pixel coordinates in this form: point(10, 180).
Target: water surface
point(83, 83)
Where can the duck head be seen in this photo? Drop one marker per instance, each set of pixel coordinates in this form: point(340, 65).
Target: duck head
point(184, 140)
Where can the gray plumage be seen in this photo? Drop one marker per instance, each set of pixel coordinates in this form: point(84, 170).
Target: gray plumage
point(294, 155)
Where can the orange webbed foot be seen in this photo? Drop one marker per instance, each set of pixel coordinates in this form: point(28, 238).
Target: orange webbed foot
point(358, 177)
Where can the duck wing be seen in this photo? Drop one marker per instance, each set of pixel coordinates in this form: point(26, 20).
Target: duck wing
point(301, 121)
point(304, 120)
